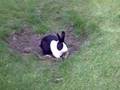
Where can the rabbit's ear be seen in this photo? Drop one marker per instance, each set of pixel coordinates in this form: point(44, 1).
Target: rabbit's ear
point(62, 36)
point(58, 36)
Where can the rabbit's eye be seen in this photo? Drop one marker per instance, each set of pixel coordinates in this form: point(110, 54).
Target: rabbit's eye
point(59, 46)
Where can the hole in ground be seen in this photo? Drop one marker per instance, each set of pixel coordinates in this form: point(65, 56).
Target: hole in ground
point(25, 41)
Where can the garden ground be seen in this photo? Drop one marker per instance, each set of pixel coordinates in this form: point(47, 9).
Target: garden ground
point(96, 65)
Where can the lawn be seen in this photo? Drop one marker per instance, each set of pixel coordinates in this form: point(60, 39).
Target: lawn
point(95, 67)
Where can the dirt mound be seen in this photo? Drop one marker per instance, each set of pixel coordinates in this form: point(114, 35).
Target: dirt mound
point(26, 41)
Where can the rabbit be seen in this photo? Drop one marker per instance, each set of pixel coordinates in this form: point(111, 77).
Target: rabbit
point(54, 45)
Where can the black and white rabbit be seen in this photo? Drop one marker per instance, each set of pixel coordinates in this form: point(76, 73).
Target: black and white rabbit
point(54, 45)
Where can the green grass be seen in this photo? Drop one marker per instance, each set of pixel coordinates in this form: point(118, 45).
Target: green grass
point(95, 67)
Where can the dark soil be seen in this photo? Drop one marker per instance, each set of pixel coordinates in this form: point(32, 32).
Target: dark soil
point(26, 41)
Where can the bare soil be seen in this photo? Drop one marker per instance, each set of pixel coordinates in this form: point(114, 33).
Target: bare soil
point(26, 41)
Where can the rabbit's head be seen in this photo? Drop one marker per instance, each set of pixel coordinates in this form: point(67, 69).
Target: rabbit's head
point(59, 47)
point(61, 40)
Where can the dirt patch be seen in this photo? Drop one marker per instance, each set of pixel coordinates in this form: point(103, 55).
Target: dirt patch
point(26, 41)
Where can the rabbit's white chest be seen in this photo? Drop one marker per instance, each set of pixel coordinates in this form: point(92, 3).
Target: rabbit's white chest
point(57, 53)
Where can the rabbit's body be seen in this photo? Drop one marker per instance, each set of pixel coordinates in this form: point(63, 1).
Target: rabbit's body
point(45, 43)
point(54, 45)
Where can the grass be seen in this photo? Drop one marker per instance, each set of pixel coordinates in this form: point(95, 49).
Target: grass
point(95, 67)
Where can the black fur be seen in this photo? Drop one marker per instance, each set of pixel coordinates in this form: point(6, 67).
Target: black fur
point(60, 46)
point(45, 42)
point(62, 37)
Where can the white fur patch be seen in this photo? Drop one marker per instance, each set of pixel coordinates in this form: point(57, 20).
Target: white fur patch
point(57, 53)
